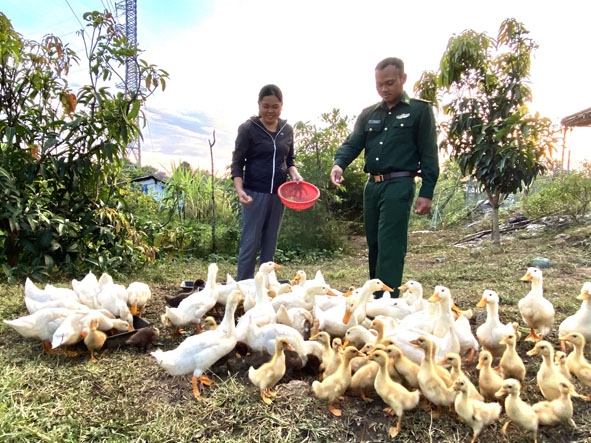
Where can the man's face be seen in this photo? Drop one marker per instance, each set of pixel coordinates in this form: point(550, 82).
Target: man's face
point(390, 84)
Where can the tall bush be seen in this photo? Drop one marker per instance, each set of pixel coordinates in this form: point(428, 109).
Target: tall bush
point(62, 150)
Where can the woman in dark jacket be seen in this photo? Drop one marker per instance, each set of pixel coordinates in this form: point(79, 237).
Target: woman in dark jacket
point(263, 157)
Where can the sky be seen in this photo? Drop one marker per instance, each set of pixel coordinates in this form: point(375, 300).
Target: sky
point(321, 53)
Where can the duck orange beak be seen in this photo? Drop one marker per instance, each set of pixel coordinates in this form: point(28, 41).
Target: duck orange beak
point(481, 303)
point(347, 316)
point(526, 277)
point(331, 292)
point(388, 288)
point(434, 298)
point(584, 295)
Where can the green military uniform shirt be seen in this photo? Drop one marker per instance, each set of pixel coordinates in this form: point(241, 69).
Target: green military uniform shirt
point(401, 139)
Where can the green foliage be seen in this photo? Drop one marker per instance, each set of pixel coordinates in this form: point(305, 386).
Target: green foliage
point(565, 194)
point(316, 146)
point(62, 150)
point(490, 132)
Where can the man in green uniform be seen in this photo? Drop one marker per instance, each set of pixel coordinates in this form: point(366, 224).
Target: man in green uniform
point(400, 142)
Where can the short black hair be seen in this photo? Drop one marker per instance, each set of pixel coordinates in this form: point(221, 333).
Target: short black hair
point(271, 90)
point(394, 61)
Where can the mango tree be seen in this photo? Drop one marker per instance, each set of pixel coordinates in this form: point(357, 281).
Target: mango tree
point(482, 87)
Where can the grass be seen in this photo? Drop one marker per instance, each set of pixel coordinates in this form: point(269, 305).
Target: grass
point(127, 397)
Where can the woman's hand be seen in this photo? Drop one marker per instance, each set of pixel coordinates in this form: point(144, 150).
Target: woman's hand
point(244, 198)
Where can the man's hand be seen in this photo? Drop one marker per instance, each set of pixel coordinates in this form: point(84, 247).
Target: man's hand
point(422, 206)
point(336, 175)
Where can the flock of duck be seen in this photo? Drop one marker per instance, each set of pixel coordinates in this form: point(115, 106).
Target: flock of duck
point(408, 350)
point(89, 311)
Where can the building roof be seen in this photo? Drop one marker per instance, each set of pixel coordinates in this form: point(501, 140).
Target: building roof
point(581, 118)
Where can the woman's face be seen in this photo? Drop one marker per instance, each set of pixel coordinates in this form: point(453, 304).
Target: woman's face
point(270, 110)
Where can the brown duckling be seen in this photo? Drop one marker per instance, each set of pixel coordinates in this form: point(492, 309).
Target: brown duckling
point(143, 338)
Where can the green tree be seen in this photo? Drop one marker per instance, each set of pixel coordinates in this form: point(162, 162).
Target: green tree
point(482, 86)
point(62, 150)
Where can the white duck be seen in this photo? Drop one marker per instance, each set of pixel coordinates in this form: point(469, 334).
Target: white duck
point(300, 319)
point(138, 295)
point(195, 306)
point(359, 336)
point(87, 290)
point(338, 319)
point(113, 297)
point(301, 297)
point(492, 331)
point(50, 293)
point(443, 336)
point(537, 312)
point(581, 320)
point(198, 353)
point(261, 313)
point(41, 325)
point(387, 305)
point(262, 338)
point(248, 285)
point(412, 293)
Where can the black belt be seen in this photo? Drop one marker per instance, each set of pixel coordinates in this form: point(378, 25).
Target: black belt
point(390, 175)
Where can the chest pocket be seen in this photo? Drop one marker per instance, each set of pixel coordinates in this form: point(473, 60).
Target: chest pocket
point(374, 126)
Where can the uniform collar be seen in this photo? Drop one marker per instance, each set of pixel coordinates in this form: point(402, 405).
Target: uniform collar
point(403, 99)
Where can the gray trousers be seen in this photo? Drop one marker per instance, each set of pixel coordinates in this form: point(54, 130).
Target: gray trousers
point(260, 225)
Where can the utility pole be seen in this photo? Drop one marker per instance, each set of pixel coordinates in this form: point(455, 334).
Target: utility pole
point(132, 80)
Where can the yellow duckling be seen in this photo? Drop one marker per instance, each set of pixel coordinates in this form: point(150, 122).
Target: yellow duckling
point(489, 381)
point(432, 385)
point(475, 413)
point(537, 312)
point(454, 361)
point(560, 360)
point(407, 369)
point(94, 339)
point(511, 365)
point(576, 362)
point(560, 410)
point(396, 396)
point(581, 320)
point(268, 374)
point(492, 331)
point(208, 323)
point(548, 377)
point(517, 410)
point(364, 377)
point(335, 385)
point(330, 360)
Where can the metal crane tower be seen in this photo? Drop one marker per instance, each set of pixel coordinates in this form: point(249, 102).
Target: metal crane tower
point(132, 79)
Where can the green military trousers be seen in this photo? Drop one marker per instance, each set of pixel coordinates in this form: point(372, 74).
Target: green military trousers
point(387, 208)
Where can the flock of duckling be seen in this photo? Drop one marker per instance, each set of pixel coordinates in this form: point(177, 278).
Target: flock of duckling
point(89, 312)
point(407, 350)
